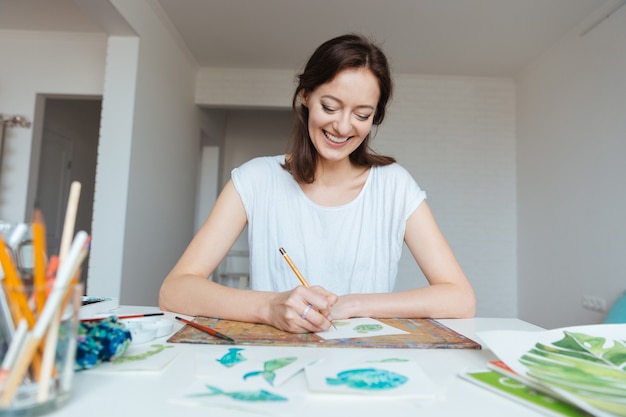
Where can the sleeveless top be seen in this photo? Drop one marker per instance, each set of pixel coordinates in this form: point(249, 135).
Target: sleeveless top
point(352, 248)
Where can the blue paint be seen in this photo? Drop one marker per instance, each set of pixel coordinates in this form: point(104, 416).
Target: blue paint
point(246, 396)
point(371, 379)
point(232, 358)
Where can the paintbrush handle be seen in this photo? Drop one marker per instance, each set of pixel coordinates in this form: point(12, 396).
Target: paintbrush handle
point(206, 329)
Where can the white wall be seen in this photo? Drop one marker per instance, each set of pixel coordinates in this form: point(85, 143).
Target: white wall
point(32, 63)
point(106, 258)
point(456, 136)
point(163, 159)
point(571, 153)
point(252, 133)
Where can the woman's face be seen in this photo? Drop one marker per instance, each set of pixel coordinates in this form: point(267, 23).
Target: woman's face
point(341, 112)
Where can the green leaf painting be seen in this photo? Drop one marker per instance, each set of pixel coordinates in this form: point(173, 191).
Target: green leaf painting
point(591, 368)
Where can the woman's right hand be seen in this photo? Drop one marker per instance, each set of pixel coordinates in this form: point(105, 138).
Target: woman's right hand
point(302, 310)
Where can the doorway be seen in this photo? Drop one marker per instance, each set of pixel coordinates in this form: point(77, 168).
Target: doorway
point(69, 150)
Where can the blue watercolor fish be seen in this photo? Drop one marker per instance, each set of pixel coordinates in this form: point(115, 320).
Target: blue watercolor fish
point(269, 368)
point(247, 396)
point(368, 379)
point(232, 358)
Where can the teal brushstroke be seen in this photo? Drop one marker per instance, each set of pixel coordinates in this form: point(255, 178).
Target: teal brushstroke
point(246, 396)
point(372, 379)
point(232, 358)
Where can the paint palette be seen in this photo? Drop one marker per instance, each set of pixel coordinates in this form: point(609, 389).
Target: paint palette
point(146, 329)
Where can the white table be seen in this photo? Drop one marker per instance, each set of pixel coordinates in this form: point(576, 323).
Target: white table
point(149, 394)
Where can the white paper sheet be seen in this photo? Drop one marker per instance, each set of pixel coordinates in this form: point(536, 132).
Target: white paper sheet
point(380, 374)
point(359, 327)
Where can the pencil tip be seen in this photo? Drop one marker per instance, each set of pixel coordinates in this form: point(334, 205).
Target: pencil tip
point(282, 251)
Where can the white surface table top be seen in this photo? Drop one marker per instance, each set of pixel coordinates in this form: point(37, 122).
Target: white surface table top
point(144, 393)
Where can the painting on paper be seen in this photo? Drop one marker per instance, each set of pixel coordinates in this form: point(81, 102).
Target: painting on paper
point(381, 374)
point(583, 365)
point(359, 327)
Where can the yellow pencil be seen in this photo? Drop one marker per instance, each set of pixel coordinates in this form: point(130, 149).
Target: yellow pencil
point(296, 271)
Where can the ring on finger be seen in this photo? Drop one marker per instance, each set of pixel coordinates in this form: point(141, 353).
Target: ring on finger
point(306, 311)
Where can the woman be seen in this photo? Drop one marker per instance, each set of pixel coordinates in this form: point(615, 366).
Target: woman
point(341, 211)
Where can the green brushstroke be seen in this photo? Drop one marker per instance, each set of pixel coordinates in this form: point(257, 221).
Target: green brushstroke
point(367, 328)
point(269, 368)
point(158, 348)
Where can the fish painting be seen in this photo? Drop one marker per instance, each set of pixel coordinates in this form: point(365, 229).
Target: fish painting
point(366, 328)
point(246, 396)
point(372, 379)
point(232, 358)
point(270, 367)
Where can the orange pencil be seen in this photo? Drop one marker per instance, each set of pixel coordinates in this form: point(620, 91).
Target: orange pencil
point(16, 296)
point(39, 267)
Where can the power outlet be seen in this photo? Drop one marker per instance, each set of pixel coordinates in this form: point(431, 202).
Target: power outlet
point(593, 303)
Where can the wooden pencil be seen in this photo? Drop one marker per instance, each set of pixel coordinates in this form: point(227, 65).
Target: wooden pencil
point(301, 278)
point(294, 268)
point(34, 338)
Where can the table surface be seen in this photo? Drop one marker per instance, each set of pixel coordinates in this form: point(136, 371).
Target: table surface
point(98, 394)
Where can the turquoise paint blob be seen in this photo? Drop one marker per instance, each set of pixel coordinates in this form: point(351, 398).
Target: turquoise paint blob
point(372, 379)
point(232, 358)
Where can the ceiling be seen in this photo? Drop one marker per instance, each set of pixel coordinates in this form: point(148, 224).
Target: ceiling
point(451, 37)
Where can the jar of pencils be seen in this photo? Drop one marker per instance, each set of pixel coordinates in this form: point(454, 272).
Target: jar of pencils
point(38, 365)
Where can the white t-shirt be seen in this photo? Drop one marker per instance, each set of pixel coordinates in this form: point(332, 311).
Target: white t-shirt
point(352, 248)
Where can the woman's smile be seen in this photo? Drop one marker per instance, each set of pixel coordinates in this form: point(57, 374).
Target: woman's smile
point(336, 139)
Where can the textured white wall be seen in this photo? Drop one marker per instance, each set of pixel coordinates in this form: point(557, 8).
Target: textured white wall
point(572, 175)
point(456, 136)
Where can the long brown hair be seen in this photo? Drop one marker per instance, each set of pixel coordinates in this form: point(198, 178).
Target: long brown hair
point(343, 52)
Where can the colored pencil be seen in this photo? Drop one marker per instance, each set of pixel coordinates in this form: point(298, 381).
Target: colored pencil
point(294, 268)
point(33, 338)
point(15, 290)
point(296, 271)
point(39, 270)
point(206, 329)
point(70, 220)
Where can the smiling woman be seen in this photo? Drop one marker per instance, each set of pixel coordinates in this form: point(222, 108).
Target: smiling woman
point(342, 211)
